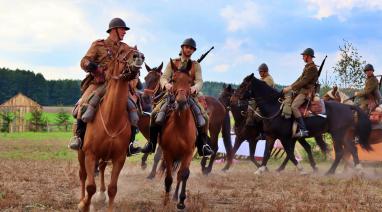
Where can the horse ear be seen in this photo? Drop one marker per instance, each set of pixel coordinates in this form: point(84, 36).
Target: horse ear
point(159, 69)
point(173, 67)
point(252, 75)
point(224, 86)
point(229, 87)
point(189, 66)
point(147, 67)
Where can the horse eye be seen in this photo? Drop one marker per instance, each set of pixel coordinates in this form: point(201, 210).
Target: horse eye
point(135, 56)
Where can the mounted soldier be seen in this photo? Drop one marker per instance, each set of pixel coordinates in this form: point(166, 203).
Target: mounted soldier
point(96, 62)
point(370, 96)
point(252, 107)
point(304, 87)
point(158, 116)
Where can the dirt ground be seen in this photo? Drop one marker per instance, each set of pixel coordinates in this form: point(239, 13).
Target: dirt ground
point(28, 185)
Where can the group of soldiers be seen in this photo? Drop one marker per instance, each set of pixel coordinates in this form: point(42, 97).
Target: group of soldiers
point(101, 53)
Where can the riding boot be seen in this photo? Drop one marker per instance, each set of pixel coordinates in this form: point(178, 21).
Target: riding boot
point(91, 109)
point(76, 141)
point(202, 143)
point(200, 120)
point(132, 149)
point(151, 145)
point(303, 132)
point(161, 116)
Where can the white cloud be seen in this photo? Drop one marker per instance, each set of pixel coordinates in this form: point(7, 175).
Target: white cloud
point(341, 8)
point(221, 68)
point(39, 25)
point(245, 58)
point(242, 17)
point(49, 72)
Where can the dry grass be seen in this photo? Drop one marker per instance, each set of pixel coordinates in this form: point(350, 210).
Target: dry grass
point(52, 185)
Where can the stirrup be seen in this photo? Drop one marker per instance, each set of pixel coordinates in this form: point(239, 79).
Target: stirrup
point(148, 148)
point(206, 150)
point(75, 143)
point(133, 150)
point(301, 134)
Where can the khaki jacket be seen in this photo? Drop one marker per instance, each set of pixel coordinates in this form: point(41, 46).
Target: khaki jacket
point(307, 80)
point(168, 73)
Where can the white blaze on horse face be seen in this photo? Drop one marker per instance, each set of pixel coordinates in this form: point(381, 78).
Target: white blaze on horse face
point(138, 59)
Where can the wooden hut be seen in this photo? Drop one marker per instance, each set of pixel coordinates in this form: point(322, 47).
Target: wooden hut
point(19, 105)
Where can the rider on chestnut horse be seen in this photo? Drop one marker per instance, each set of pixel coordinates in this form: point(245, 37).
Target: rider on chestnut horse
point(95, 63)
point(158, 115)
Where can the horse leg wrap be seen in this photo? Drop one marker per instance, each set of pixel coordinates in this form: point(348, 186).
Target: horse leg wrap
point(91, 109)
point(200, 121)
point(133, 112)
point(161, 116)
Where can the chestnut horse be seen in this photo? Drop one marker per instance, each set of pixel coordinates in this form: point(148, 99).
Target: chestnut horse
point(178, 136)
point(108, 134)
point(218, 121)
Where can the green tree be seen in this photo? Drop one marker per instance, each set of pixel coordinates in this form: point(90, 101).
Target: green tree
point(349, 67)
point(63, 120)
point(7, 118)
point(37, 120)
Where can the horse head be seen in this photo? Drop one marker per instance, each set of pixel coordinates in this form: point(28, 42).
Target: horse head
point(226, 95)
point(182, 82)
point(152, 79)
point(243, 91)
point(132, 66)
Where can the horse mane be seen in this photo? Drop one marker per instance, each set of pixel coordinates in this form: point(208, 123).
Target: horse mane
point(264, 87)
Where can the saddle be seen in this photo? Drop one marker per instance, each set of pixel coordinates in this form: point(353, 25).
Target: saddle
point(313, 108)
point(376, 115)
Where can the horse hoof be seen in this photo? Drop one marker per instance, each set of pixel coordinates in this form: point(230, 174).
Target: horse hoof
point(315, 170)
point(329, 173)
point(151, 176)
point(303, 173)
point(100, 198)
point(181, 206)
point(81, 206)
point(143, 166)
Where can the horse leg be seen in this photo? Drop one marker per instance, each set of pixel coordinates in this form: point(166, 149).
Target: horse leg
point(339, 152)
point(143, 161)
point(252, 150)
point(168, 179)
point(184, 173)
point(176, 193)
point(101, 197)
point(346, 160)
point(112, 188)
point(91, 188)
point(157, 158)
point(308, 150)
point(267, 154)
point(215, 148)
point(82, 173)
point(283, 164)
point(350, 148)
point(236, 146)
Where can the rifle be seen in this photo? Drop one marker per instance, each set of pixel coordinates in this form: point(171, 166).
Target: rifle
point(204, 55)
point(317, 85)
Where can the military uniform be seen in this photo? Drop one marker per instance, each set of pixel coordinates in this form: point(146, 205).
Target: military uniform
point(158, 115)
point(96, 63)
point(304, 86)
point(369, 93)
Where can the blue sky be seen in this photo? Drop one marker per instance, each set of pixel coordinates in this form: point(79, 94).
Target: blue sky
point(52, 36)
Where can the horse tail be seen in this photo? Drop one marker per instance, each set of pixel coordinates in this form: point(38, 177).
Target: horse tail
point(163, 167)
point(362, 128)
point(226, 133)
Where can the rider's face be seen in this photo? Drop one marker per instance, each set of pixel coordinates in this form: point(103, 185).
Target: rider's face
point(305, 58)
point(369, 73)
point(121, 32)
point(187, 50)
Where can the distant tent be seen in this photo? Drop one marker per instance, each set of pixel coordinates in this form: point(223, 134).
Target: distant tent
point(19, 105)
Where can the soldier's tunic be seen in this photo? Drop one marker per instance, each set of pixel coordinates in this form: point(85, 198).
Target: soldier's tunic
point(269, 80)
point(303, 86)
point(195, 72)
point(370, 92)
point(101, 52)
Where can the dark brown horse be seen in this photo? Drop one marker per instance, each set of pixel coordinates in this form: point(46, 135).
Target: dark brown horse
point(178, 144)
point(336, 95)
point(107, 135)
point(338, 122)
point(251, 133)
point(218, 121)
